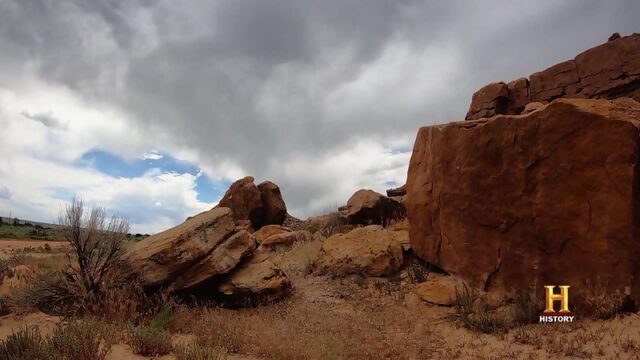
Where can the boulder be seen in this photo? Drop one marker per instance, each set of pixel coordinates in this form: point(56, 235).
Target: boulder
point(369, 207)
point(288, 238)
point(490, 100)
point(269, 230)
point(399, 191)
point(440, 289)
point(369, 250)
point(549, 197)
point(519, 96)
point(274, 208)
point(245, 201)
point(257, 276)
point(610, 70)
point(552, 82)
point(219, 261)
point(532, 106)
point(160, 258)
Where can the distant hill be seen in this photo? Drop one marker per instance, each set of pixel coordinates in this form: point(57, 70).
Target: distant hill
point(7, 220)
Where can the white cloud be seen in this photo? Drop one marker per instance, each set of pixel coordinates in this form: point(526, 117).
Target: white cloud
point(152, 155)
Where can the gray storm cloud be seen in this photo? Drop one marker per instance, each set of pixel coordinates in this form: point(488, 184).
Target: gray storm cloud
point(280, 88)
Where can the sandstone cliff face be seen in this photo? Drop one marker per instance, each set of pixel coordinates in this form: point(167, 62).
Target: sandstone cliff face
point(607, 71)
point(550, 197)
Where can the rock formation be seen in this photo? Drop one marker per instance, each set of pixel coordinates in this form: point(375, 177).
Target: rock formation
point(550, 197)
point(262, 204)
point(607, 71)
point(217, 244)
point(274, 208)
point(160, 258)
point(368, 207)
point(369, 250)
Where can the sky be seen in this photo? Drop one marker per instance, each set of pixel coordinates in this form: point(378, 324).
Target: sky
point(152, 108)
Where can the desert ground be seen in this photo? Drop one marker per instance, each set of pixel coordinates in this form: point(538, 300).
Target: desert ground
point(332, 318)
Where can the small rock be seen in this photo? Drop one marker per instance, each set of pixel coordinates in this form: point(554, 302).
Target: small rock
point(440, 289)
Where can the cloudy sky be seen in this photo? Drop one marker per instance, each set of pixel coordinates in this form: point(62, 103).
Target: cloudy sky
point(151, 108)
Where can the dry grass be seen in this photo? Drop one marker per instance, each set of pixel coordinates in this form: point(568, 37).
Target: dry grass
point(81, 340)
point(198, 352)
point(305, 331)
point(148, 340)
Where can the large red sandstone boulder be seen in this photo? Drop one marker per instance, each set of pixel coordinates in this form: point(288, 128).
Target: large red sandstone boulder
point(490, 100)
point(607, 71)
point(274, 208)
point(245, 201)
point(546, 198)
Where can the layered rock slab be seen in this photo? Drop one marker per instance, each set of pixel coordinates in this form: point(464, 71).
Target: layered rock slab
point(160, 258)
point(550, 197)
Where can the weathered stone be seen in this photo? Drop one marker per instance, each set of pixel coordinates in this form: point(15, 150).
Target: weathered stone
point(368, 207)
point(519, 96)
point(548, 84)
point(609, 71)
point(369, 250)
point(245, 201)
point(612, 69)
point(269, 230)
point(274, 208)
point(544, 198)
point(219, 261)
point(533, 106)
point(161, 257)
point(489, 101)
point(440, 289)
point(288, 238)
point(399, 191)
point(256, 276)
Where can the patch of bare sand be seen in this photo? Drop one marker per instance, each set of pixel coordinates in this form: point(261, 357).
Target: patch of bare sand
point(12, 323)
point(10, 247)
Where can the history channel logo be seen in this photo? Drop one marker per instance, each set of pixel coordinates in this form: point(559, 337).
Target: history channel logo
point(563, 315)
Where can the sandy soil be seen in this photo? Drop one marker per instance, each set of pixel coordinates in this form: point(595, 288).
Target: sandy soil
point(380, 318)
point(10, 246)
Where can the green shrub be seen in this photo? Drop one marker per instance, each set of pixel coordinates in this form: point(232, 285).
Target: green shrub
point(149, 341)
point(163, 318)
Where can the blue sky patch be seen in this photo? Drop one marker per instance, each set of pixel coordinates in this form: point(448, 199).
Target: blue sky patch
point(115, 166)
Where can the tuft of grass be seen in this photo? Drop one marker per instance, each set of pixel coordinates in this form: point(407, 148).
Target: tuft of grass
point(149, 341)
point(163, 318)
point(478, 319)
point(26, 343)
point(84, 340)
point(524, 308)
point(600, 303)
point(197, 351)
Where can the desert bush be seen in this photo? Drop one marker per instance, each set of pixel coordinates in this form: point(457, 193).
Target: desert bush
point(163, 318)
point(524, 309)
point(48, 292)
point(418, 271)
point(599, 303)
point(478, 318)
point(198, 352)
point(149, 341)
point(26, 343)
point(97, 245)
point(331, 224)
point(82, 340)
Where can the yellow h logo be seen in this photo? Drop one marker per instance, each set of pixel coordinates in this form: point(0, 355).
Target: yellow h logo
point(563, 297)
